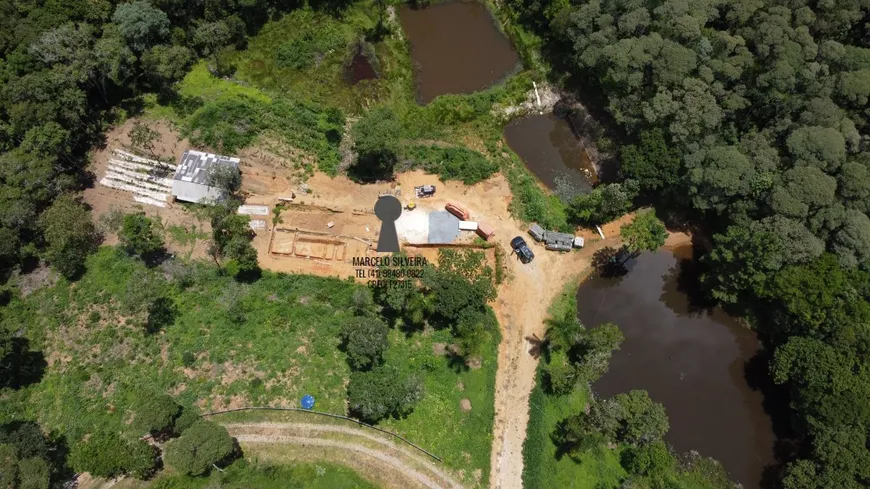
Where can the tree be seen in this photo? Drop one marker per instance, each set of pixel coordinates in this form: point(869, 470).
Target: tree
point(653, 163)
point(605, 203)
point(645, 233)
point(142, 137)
point(33, 473)
point(382, 392)
point(113, 61)
point(227, 178)
point(138, 235)
point(8, 466)
point(742, 261)
point(141, 24)
point(210, 38)
point(105, 454)
point(166, 64)
point(649, 460)
point(156, 414)
point(376, 139)
point(591, 354)
point(200, 447)
point(69, 233)
point(365, 341)
point(643, 421)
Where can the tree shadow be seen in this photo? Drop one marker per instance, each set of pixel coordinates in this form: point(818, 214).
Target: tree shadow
point(373, 167)
point(183, 105)
point(22, 366)
point(610, 262)
point(161, 313)
point(457, 361)
point(775, 402)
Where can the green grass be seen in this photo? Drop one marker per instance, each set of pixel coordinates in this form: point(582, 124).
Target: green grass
point(261, 344)
point(245, 475)
point(541, 466)
point(330, 40)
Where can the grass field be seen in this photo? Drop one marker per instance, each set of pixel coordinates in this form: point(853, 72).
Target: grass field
point(245, 475)
point(230, 345)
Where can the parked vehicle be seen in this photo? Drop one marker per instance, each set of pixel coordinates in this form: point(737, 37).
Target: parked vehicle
point(522, 250)
point(424, 191)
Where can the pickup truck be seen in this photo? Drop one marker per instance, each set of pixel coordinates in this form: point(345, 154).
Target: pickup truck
point(522, 250)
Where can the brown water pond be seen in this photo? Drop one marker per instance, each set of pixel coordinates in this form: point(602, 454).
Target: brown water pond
point(456, 48)
point(695, 362)
point(551, 151)
point(360, 69)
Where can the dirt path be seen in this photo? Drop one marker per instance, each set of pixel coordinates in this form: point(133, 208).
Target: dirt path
point(521, 310)
point(362, 450)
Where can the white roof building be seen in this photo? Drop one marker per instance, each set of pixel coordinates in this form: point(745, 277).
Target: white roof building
point(190, 183)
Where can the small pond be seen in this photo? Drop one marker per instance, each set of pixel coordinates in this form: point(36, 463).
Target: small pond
point(456, 48)
point(698, 363)
point(552, 152)
point(360, 69)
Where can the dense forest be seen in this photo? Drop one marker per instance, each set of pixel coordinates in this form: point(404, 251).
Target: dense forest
point(750, 117)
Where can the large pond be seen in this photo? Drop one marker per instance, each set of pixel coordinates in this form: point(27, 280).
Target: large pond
point(456, 48)
point(695, 362)
point(552, 152)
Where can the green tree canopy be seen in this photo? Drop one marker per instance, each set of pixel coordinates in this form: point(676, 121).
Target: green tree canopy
point(105, 454)
point(382, 392)
point(201, 446)
point(365, 340)
point(139, 236)
point(141, 24)
point(645, 233)
point(69, 233)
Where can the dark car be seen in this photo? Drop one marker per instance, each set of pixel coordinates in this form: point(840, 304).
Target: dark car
point(522, 249)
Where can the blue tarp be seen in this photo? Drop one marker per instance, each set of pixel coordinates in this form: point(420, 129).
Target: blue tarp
point(307, 402)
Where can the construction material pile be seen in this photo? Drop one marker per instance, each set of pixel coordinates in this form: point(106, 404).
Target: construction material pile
point(150, 181)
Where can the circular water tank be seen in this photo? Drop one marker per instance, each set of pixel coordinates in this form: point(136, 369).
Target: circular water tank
point(307, 402)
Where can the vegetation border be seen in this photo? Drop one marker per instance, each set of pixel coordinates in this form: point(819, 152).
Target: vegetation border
point(321, 413)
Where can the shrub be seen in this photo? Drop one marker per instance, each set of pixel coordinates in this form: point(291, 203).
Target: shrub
point(651, 460)
point(156, 414)
point(138, 236)
point(365, 341)
point(382, 392)
point(185, 420)
point(34, 473)
point(453, 163)
point(302, 51)
point(105, 454)
point(201, 446)
point(69, 233)
point(376, 139)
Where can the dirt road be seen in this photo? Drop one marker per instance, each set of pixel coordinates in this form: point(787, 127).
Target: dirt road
point(371, 454)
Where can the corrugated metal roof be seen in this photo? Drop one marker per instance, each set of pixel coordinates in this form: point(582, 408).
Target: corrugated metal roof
point(194, 165)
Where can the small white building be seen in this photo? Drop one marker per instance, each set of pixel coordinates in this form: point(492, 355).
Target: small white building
point(191, 177)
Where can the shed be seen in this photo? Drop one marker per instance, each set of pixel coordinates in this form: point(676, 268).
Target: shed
point(485, 231)
point(579, 242)
point(467, 226)
point(190, 183)
point(536, 231)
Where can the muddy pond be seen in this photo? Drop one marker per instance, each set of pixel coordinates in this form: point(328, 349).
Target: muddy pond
point(552, 152)
point(695, 362)
point(456, 47)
